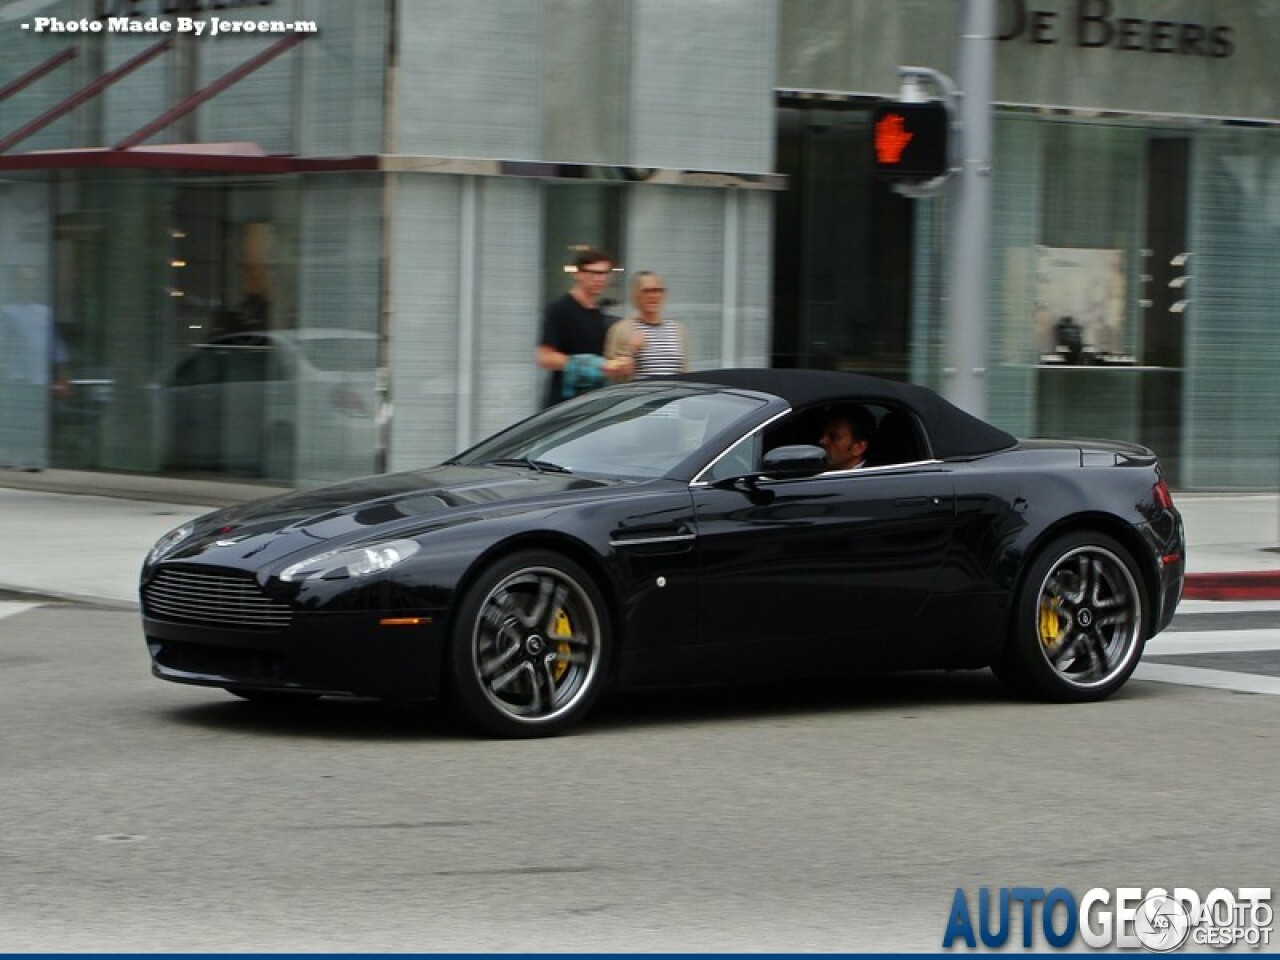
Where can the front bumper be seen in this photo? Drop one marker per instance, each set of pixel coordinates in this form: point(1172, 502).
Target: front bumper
point(339, 654)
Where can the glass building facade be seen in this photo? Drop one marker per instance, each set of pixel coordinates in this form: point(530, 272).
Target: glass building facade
point(296, 257)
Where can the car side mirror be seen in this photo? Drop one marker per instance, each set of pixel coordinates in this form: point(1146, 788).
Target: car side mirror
point(796, 460)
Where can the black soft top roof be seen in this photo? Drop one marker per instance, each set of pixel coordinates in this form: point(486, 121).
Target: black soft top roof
point(952, 431)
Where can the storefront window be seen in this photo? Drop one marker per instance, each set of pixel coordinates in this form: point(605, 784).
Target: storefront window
point(183, 346)
point(1083, 341)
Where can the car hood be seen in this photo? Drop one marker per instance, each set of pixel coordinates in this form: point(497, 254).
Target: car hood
point(391, 505)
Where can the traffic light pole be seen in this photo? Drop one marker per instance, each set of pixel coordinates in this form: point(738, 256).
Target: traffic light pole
point(968, 253)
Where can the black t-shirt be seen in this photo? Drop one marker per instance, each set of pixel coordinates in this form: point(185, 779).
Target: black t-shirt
point(571, 328)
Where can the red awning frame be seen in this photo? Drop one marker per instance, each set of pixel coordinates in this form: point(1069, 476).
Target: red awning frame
point(84, 93)
point(209, 91)
point(144, 133)
point(249, 158)
point(185, 157)
point(38, 71)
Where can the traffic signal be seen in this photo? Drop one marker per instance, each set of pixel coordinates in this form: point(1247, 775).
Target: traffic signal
point(911, 139)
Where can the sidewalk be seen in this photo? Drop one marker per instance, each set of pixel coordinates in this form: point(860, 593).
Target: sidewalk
point(1233, 545)
point(61, 537)
point(84, 536)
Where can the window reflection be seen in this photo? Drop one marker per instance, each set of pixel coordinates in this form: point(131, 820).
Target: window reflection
point(189, 352)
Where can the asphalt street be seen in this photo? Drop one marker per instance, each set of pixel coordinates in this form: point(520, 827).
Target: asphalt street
point(138, 815)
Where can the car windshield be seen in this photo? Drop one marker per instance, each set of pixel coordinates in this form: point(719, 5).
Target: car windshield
point(635, 431)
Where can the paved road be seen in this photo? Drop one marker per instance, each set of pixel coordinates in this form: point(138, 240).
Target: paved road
point(141, 816)
point(1226, 646)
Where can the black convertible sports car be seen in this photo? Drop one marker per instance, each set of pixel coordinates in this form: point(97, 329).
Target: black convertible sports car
point(677, 530)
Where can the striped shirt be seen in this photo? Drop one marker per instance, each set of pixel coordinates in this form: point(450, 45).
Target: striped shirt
point(663, 350)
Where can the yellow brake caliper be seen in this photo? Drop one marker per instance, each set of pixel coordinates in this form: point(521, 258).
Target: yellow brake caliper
point(561, 630)
point(1050, 622)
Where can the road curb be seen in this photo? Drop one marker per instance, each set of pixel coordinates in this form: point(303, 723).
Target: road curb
point(14, 594)
point(1245, 585)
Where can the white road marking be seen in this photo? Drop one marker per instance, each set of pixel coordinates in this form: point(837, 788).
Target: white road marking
point(11, 609)
point(1216, 679)
point(1210, 641)
point(1213, 641)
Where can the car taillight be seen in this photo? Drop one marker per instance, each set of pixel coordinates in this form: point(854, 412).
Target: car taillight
point(1162, 496)
point(350, 402)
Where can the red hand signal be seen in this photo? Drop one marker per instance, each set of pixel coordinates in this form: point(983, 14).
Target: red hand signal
point(891, 138)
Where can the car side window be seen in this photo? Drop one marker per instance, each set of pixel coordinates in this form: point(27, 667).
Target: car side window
point(896, 440)
point(741, 459)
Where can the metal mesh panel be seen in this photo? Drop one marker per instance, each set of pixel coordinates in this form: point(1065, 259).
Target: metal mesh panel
point(1015, 228)
point(138, 98)
point(469, 79)
point(259, 108)
point(425, 305)
point(507, 315)
point(339, 239)
point(1230, 437)
point(343, 70)
point(24, 51)
point(679, 233)
point(702, 84)
point(755, 255)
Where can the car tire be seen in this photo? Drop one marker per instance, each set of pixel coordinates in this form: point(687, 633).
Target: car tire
point(530, 646)
point(1079, 621)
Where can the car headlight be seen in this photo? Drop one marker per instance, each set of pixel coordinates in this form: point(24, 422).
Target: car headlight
point(351, 561)
point(165, 545)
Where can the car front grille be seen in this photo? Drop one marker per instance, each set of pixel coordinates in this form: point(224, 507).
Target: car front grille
point(216, 598)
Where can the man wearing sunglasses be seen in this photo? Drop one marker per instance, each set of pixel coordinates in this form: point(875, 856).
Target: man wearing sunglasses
point(573, 333)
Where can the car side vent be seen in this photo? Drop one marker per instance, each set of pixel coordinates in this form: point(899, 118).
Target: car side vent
point(213, 597)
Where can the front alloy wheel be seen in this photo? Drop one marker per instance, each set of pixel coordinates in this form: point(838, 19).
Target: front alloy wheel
point(529, 645)
point(1079, 624)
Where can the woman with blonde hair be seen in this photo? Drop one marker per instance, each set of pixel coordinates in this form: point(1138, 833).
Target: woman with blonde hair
point(656, 344)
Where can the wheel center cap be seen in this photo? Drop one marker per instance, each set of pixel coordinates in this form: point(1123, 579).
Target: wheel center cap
point(1085, 617)
point(534, 645)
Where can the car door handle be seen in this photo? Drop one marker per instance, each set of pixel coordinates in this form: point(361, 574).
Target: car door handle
point(917, 501)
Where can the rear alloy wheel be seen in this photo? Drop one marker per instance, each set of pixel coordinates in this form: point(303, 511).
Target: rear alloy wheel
point(529, 645)
point(1079, 621)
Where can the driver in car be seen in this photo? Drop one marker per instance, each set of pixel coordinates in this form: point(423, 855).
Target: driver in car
point(846, 434)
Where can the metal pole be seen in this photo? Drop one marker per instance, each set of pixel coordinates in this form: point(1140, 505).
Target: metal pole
point(968, 254)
